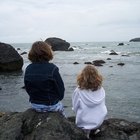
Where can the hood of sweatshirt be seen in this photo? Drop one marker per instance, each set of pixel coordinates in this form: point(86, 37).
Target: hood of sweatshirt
point(90, 97)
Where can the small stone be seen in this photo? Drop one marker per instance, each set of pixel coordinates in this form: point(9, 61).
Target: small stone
point(75, 63)
point(121, 64)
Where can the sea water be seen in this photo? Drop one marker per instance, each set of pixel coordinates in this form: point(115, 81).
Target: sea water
point(121, 83)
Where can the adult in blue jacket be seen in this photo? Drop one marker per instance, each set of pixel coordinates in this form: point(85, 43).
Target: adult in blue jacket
point(43, 81)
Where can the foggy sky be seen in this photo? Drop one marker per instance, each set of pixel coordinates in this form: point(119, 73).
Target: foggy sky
point(24, 21)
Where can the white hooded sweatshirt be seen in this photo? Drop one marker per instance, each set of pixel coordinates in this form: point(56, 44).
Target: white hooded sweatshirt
point(89, 107)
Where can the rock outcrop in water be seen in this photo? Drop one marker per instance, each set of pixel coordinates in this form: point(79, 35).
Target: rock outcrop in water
point(121, 44)
point(30, 125)
point(112, 52)
point(10, 60)
point(59, 44)
point(135, 40)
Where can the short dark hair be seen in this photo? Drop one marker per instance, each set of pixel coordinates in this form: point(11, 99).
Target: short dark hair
point(40, 51)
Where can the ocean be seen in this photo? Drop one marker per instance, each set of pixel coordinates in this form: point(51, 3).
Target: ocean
point(121, 83)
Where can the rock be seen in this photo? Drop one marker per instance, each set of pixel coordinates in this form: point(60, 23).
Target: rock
point(113, 53)
point(108, 59)
point(88, 63)
point(0, 88)
point(135, 40)
point(103, 46)
point(116, 129)
point(125, 55)
point(23, 53)
point(120, 44)
point(58, 44)
point(121, 64)
point(30, 125)
point(70, 49)
point(18, 48)
point(75, 63)
point(98, 62)
point(10, 60)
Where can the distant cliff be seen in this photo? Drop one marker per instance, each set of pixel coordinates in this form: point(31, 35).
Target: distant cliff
point(135, 40)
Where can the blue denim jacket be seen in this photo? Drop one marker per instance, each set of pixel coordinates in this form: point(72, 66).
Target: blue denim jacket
point(43, 83)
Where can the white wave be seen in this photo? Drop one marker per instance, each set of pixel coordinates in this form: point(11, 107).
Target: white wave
point(76, 47)
point(110, 51)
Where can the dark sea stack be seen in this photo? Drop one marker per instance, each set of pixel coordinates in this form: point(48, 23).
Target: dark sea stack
point(58, 44)
point(10, 60)
point(135, 40)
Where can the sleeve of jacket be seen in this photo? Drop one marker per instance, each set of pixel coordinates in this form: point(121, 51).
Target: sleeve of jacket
point(60, 83)
point(75, 101)
point(25, 77)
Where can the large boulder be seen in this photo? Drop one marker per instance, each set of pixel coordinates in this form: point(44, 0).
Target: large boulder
point(58, 44)
point(115, 129)
point(10, 60)
point(31, 125)
point(135, 40)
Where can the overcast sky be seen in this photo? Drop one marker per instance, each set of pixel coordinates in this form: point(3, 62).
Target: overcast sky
point(23, 21)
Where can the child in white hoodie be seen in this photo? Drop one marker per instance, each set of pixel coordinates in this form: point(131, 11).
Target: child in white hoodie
point(88, 100)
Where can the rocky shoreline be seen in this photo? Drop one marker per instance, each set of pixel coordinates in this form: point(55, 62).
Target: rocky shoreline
point(30, 125)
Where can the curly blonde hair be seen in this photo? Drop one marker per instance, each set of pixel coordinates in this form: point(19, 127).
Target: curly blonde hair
point(40, 51)
point(89, 78)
